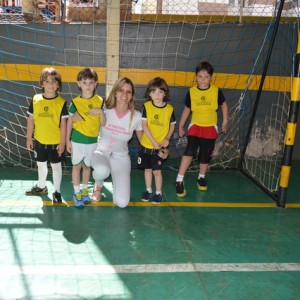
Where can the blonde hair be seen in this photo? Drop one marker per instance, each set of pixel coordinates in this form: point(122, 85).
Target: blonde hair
point(111, 101)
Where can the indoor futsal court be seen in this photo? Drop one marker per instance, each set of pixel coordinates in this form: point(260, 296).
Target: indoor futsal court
point(240, 239)
point(230, 242)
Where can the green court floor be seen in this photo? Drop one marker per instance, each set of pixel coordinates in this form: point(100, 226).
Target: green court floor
point(230, 242)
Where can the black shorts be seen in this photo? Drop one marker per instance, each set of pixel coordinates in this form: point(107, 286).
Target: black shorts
point(46, 153)
point(200, 148)
point(149, 159)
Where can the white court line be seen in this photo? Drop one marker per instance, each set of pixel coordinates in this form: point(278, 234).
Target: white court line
point(149, 268)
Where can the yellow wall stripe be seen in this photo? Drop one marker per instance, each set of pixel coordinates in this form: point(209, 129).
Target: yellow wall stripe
point(204, 18)
point(25, 72)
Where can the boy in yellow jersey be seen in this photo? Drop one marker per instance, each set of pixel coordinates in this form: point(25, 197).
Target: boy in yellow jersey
point(158, 121)
point(203, 102)
point(47, 120)
point(82, 135)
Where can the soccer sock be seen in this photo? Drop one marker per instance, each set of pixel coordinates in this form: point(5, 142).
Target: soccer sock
point(158, 193)
point(201, 176)
point(57, 176)
point(84, 186)
point(42, 173)
point(76, 189)
point(149, 190)
point(179, 178)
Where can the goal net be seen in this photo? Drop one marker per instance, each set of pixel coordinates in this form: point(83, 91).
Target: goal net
point(157, 38)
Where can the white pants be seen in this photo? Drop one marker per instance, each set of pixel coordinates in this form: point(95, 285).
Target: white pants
point(119, 166)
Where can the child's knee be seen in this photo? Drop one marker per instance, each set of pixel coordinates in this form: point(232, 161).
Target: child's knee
point(157, 173)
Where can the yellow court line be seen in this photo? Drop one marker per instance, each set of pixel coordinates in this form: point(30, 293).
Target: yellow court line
point(143, 204)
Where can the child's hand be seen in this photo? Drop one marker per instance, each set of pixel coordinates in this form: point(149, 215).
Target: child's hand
point(60, 149)
point(181, 132)
point(29, 144)
point(76, 117)
point(165, 143)
point(95, 111)
point(156, 145)
point(69, 146)
point(224, 126)
point(163, 153)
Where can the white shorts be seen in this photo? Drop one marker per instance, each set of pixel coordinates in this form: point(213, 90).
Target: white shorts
point(82, 153)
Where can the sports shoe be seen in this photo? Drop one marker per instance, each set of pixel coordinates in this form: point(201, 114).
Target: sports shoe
point(202, 185)
point(180, 190)
point(56, 197)
point(37, 191)
point(157, 198)
point(146, 196)
point(77, 198)
point(85, 196)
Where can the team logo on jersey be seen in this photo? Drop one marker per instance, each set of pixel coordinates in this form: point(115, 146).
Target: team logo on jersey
point(203, 101)
point(46, 113)
point(90, 106)
point(156, 122)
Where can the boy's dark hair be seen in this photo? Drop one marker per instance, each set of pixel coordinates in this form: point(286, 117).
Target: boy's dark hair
point(205, 66)
point(53, 72)
point(87, 73)
point(157, 83)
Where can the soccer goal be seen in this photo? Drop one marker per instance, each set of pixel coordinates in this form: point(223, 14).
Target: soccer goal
point(252, 44)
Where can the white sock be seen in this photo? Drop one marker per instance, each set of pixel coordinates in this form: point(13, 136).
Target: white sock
point(149, 190)
point(42, 173)
point(76, 189)
point(179, 178)
point(201, 176)
point(57, 176)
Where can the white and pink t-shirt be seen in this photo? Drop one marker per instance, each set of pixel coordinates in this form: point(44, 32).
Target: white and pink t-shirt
point(118, 130)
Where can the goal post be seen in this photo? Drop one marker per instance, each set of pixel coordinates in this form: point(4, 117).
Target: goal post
point(291, 130)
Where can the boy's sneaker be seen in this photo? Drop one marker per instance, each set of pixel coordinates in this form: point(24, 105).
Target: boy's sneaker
point(77, 198)
point(202, 185)
point(146, 196)
point(85, 196)
point(37, 191)
point(157, 198)
point(180, 190)
point(56, 197)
